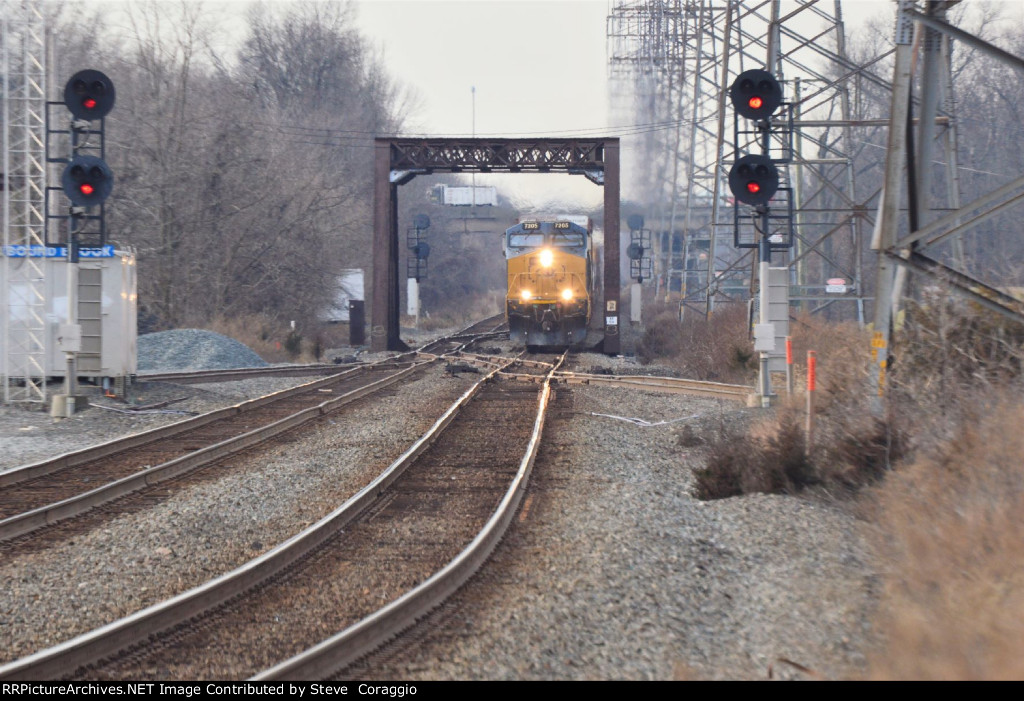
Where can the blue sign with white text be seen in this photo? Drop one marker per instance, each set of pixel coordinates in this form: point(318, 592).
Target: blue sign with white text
point(57, 252)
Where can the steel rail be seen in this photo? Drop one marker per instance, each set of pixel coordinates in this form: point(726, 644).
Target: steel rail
point(651, 382)
point(136, 628)
point(365, 636)
point(660, 384)
point(65, 460)
point(231, 374)
point(45, 467)
point(28, 521)
point(492, 359)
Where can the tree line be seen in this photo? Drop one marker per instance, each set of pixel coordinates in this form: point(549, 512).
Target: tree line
point(243, 176)
point(986, 107)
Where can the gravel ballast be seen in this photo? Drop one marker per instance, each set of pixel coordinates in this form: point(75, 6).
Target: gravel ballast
point(614, 571)
point(141, 558)
point(611, 571)
point(193, 349)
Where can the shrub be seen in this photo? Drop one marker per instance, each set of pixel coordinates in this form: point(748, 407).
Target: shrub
point(771, 458)
point(948, 535)
point(293, 344)
point(716, 349)
point(272, 340)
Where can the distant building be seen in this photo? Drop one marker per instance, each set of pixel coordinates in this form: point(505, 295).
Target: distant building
point(464, 196)
point(348, 286)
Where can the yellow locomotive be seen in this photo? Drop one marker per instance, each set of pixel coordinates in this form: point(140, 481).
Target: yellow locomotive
point(550, 280)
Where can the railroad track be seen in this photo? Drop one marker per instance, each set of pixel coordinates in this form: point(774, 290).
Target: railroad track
point(660, 384)
point(481, 330)
point(42, 494)
point(64, 487)
point(230, 375)
point(650, 382)
point(438, 503)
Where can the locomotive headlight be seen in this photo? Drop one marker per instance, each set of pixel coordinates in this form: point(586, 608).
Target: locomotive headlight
point(567, 294)
point(547, 257)
point(526, 295)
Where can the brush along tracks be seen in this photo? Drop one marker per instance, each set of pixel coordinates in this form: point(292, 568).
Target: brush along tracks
point(460, 483)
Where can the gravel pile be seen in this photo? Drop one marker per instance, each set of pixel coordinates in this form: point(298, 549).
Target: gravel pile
point(612, 570)
point(193, 349)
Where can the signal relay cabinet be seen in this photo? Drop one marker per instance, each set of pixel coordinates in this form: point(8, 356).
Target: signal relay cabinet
point(107, 314)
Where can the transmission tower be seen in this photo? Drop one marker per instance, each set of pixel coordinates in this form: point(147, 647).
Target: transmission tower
point(693, 50)
point(23, 107)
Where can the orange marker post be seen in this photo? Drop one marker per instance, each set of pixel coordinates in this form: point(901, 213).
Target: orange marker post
point(812, 371)
point(789, 365)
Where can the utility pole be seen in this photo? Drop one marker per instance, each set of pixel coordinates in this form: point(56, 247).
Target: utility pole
point(472, 90)
point(889, 208)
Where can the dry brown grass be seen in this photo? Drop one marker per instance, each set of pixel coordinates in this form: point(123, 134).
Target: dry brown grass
point(842, 353)
point(716, 349)
point(950, 533)
point(850, 449)
point(274, 341)
point(457, 316)
point(948, 521)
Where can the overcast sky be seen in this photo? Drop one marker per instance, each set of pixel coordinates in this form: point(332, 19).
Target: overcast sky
point(537, 66)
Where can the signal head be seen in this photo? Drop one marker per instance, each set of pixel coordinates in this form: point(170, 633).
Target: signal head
point(89, 95)
point(87, 181)
point(754, 179)
point(421, 250)
point(756, 94)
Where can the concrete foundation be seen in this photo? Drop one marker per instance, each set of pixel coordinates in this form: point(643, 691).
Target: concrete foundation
point(65, 405)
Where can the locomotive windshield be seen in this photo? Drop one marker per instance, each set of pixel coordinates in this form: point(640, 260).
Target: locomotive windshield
point(533, 239)
point(529, 236)
point(568, 239)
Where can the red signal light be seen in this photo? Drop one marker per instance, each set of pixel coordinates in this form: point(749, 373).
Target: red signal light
point(754, 179)
point(87, 180)
point(756, 94)
point(89, 95)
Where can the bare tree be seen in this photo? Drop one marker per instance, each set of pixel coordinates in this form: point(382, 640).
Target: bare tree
point(243, 182)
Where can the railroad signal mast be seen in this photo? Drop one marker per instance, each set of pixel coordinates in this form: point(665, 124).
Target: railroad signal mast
point(763, 204)
point(416, 263)
point(87, 181)
point(641, 267)
point(756, 178)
